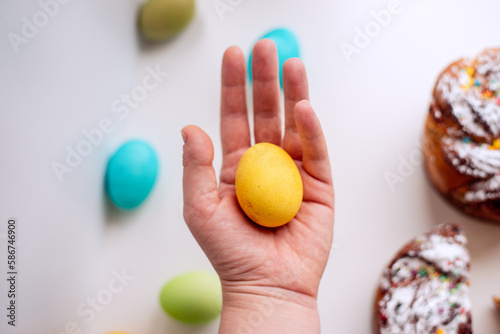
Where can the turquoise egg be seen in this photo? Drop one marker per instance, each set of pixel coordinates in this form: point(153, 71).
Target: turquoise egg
point(287, 46)
point(131, 174)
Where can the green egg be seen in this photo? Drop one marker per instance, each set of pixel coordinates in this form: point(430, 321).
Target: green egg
point(194, 297)
point(163, 19)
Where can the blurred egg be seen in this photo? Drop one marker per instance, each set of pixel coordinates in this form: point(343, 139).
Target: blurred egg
point(162, 19)
point(287, 46)
point(131, 174)
point(194, 297)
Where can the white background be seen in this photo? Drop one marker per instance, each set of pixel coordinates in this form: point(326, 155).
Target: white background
point(372, 110)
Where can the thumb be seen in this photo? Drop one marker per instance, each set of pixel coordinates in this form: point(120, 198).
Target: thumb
point(201, 196)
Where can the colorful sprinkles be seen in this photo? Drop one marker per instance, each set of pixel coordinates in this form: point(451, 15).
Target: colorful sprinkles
point(467, 81)
point(487, 94)
point(494, 145)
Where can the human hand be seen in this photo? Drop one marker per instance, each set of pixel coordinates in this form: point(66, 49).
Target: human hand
point(257, 264)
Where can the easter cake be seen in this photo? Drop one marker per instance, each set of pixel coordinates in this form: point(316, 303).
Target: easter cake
point(425, 288)
point(496, 299)
point(462, 135)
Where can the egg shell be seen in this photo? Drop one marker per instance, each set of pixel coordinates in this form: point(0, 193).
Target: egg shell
point(287, 46)
point(163, 19)
point(131, 174)
point(194, 297)
point(268, 185)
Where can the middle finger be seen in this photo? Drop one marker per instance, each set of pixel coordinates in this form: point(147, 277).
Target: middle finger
point(266, 93)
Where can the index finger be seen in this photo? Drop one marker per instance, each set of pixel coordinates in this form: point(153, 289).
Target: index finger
point(235, 132)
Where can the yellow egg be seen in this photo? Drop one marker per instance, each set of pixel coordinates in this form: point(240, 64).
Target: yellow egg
point(268, 185)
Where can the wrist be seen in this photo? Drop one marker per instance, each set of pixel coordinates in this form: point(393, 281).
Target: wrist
point(268, 310)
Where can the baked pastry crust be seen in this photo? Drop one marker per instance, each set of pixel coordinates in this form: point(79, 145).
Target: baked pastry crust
point(425, 288)
point(496, 299)
point(461, 143)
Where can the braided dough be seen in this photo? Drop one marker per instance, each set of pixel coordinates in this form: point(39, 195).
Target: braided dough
point(462, 135)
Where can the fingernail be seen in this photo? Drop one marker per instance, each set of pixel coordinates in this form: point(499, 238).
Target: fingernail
point(184, 137)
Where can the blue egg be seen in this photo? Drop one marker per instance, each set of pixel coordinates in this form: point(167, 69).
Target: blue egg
point(131, 174)
point(287, 46)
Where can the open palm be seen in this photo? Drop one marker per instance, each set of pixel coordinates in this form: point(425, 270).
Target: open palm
point(250, 258)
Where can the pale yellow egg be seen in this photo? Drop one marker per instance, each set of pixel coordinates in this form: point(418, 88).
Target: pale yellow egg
point(268, 185)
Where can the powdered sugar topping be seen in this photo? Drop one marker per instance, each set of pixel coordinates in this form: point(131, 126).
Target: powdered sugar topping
point(473, 159)
point(484, 190)
point(471, 89)
point(427, 290)
point(448, 255)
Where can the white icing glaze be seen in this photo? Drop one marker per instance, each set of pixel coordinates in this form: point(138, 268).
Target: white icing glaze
point(428, 289)
point(488, 62)
point(430, 303)
point(452, 91)
point(447, 254)
point(400, 303)
point(484, 190)
point(468, 105)
point(472, 159)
